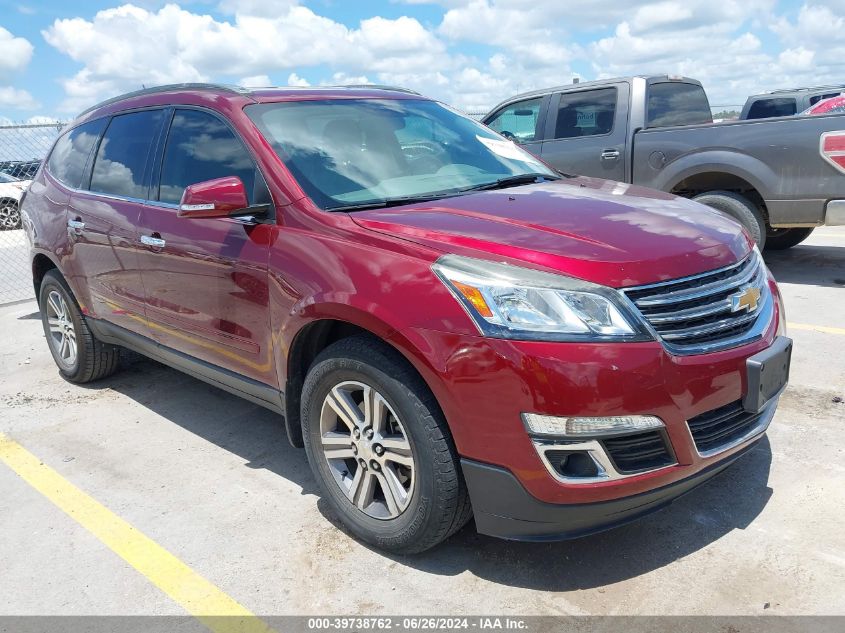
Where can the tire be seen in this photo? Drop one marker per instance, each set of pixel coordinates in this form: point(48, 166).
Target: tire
point(10, 215)
point(740, 209)
point(436, 499)
point(78, 354)
point(781, 239)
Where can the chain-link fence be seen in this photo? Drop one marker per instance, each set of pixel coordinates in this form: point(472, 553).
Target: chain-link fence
point(22, 148)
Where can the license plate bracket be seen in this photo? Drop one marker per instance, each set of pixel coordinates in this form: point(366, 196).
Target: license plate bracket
point(767, 373)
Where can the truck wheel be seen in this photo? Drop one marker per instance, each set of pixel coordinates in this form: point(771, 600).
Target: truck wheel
point(79, 355)
point(740, 209)
point(781, 239)
point(380, 448)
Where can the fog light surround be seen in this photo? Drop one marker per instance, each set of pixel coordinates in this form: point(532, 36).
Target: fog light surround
point(582, 427)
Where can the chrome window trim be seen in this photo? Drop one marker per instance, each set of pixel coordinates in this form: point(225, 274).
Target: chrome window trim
point(593, 448)
point(755, 431)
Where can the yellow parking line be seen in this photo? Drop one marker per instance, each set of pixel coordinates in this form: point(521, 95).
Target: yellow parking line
point(209, 604)
point(816, 328)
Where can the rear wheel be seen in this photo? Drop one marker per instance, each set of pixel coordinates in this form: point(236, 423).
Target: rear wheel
point(79, 355)
point(10, 215)
point(781, 239)
point(380, 448)
point(740, 209)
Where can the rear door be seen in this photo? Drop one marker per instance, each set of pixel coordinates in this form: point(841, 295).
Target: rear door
point(206, 279)
point(586, 132)
point(103, 219)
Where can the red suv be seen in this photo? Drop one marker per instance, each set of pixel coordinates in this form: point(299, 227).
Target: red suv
point(449, 327)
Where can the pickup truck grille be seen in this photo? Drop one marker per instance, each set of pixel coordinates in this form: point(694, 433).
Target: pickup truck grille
point(707, 311)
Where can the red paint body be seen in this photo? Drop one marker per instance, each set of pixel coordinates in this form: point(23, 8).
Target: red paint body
point(237, 296)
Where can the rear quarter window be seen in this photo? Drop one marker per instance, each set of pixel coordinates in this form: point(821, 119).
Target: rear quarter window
point(768, 108)
point(674, 103)
point(119, 168)
point(70, 154)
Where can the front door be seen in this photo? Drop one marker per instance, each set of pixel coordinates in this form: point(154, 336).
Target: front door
point(206, 279)
point(586, 132)
point(103, 221)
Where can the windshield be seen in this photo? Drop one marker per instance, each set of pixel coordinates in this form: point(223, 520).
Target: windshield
point(347, 153)
point(4, 177)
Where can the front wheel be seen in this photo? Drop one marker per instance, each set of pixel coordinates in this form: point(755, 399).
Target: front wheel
point(380, 448)
point(781, 239)
point(740, 209)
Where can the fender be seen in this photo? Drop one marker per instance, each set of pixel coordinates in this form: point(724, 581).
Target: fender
point(722, 161)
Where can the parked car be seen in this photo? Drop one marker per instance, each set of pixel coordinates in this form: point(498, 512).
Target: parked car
point(11, 191)
point(787, 102)
point(834, 105)
point(448, 326)
point(658, 132)
point(20, 169)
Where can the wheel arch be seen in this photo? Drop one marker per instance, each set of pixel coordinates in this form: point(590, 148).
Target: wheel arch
point(320, 332)
point(41, 265)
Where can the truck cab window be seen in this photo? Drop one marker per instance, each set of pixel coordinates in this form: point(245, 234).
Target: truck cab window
point(586, 113)
point(518, 121)
point(675, 103)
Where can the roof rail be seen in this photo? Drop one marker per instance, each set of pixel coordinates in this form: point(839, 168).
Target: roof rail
point(168, 88)
point(378, 87)
point(807, 89)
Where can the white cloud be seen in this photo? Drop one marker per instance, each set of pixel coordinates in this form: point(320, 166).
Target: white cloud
point(17, 51)
point(124, 47)
point(255, 81)
point(16, 98)
point(296, 80)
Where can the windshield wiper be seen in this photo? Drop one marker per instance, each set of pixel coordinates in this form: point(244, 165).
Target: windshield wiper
point(512, 181)
point(392, 202)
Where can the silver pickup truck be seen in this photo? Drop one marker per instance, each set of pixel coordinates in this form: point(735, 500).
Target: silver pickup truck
point(779, 177)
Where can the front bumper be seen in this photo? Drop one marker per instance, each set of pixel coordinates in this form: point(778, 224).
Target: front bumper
point(484, 385)
point(504, 509)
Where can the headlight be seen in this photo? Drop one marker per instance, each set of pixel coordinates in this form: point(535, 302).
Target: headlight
point(508, 301)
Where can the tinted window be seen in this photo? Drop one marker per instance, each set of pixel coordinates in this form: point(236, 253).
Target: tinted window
point(69, 156)
point(517, 121)
point(766, 108)
point(674, 103)
point(201, 147)
point(586, 113)
point(122, 156)
point(815, 99)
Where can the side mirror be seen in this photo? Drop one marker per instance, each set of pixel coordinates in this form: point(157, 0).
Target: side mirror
point(218, 198)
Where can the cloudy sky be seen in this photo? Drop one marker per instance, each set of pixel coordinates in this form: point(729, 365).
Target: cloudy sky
point(58, 57)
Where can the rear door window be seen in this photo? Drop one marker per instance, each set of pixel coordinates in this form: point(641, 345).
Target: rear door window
point(120, 165)
point(70, 155)
point(518, 121)
point(586, 113)
point(675, 103)
point(767, 108)
point(201, 147)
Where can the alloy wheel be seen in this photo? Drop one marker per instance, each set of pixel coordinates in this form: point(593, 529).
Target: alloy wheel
point(10, 217)
point(62, 331)
point(367, 450)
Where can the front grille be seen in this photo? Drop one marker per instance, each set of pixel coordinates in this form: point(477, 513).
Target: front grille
point(698, 313)
point(721, 427)
point(639, 452)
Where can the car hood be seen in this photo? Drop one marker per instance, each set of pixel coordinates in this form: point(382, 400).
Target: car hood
point(597, 230)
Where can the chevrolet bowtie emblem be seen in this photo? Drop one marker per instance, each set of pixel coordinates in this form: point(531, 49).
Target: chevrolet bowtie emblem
point(745, 300)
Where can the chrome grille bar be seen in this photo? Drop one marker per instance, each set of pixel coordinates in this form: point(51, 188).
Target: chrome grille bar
point(705, 312)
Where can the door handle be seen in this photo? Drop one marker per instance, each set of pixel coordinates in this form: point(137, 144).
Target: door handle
point(151, 240)
point(75, 225)
point(610, 154)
